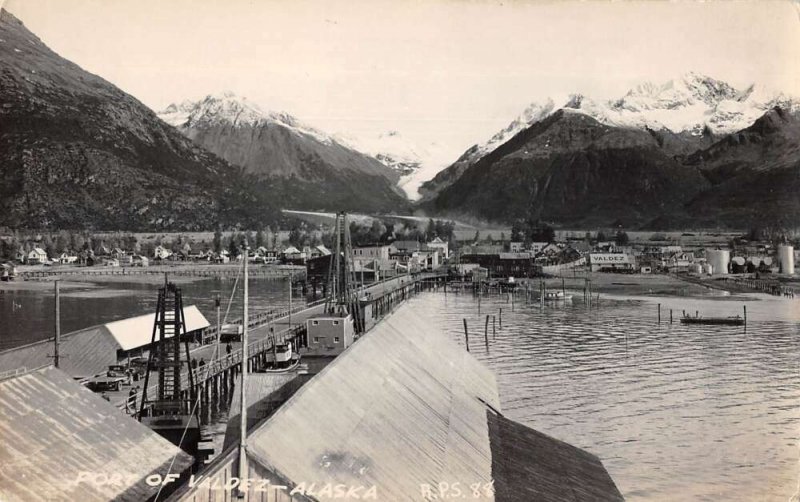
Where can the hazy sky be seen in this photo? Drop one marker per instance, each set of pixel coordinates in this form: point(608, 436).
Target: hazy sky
point(452, 72)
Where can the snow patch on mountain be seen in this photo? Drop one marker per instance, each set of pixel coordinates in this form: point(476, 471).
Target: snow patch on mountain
point(416, 163)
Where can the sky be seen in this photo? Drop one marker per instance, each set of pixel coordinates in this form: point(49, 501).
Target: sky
point(438, 71)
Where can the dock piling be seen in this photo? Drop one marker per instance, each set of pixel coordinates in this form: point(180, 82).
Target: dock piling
point(466, 334)
point(659, 313)
point(486, 333)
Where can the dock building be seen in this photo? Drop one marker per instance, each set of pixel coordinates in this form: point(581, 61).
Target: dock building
point(88, 352)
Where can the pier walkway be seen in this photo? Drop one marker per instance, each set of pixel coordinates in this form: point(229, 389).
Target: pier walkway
point(221, 368)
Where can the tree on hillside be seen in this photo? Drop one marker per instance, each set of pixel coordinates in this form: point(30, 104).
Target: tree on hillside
point(260, 239)
point(621, 239)
point(430, 230)
point(537, 231)
point(296, 238)
point(216, 243)
point(233, 248)
point(516, 232)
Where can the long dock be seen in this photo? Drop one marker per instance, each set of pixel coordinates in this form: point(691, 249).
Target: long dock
point(193, 270)
point(216, 377)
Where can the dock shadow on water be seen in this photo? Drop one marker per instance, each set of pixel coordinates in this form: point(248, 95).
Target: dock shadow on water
point(675, 411)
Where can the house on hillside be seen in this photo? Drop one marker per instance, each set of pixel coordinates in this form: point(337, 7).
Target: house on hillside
point(161, 253)
point(66, 258)
point(37, 255)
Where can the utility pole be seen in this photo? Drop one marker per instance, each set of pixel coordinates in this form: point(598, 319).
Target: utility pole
point(243, 413)
point(56, 356)
point(291, 275)
point(219, 327)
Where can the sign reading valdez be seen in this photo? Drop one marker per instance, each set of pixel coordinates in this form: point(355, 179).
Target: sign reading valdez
point(610, 259)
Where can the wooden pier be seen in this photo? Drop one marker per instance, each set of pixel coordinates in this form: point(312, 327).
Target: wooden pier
point(208, 383)
point(298, 274)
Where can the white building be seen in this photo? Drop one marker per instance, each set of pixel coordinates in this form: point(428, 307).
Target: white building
point(37, 255)
point(161, 253)
point(369, 253)
point(441, 246)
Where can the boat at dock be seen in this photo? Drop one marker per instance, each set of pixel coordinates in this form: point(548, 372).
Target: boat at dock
point(282, 360)
point(727, 321)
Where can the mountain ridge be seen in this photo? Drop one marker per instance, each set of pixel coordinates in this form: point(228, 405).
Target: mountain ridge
point(309, 169)
point(77, 152)
point(685, 114)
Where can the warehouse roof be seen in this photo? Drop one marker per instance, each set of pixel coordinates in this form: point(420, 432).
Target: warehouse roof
point(60, 441)
point(136, 332)
point(90, 351)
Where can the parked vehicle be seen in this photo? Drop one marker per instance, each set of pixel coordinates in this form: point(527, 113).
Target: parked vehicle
point(231, 332)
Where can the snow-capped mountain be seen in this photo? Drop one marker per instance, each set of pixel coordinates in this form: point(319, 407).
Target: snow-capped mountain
point(692, 104)
point(686, 114)
point(310, 169)
point(414, 162)
point(226, 108)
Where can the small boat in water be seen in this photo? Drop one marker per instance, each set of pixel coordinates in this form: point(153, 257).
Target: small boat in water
point(556, 296)
point(728, 321)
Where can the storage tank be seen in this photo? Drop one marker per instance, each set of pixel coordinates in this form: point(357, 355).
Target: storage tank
point(708, 269)
point(719, 260)
point(786, 259)
point(695, 268)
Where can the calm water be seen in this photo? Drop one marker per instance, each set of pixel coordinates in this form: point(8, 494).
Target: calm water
point(27, 316)
point(675, 412)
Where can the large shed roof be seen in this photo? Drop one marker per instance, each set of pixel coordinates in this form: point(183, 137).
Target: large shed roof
point(61, 442)
point(136, 332)
point(402, 408)
point(89, 351)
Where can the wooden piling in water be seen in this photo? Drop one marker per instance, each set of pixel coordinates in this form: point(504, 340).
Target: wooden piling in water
point(466, 334)
point(486, 333)
point(501, 318)
point(494, 331)
point(659, 313)
point(670, 316)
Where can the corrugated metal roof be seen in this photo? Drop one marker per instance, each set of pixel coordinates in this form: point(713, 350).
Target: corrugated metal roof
point(403, 407)
point(61, 442)
point(560, 473)
point(83, 353)
point(136, 332)
point(89, 351)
